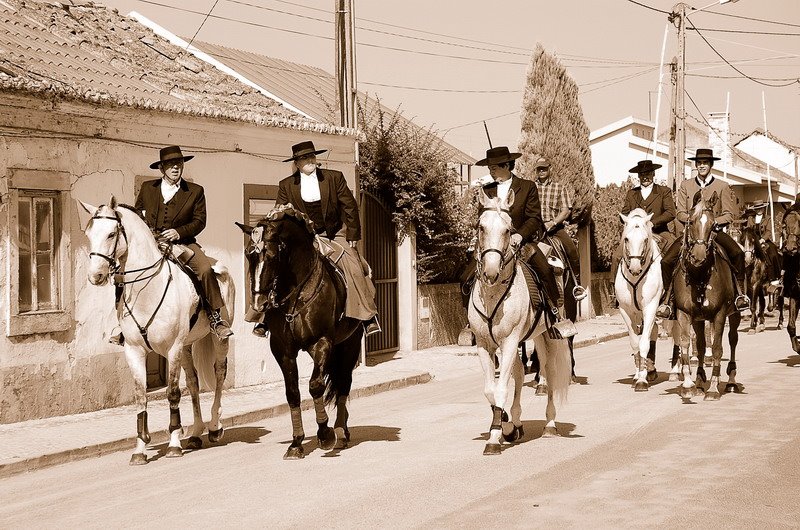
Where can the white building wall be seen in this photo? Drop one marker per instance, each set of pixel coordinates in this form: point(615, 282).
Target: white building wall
point(770, 152)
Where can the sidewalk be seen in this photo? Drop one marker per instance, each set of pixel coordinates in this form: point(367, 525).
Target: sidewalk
point(31, 445)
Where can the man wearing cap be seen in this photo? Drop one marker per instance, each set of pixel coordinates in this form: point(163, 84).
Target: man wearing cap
point(175, 210)
point(525, 213)
point(556, 207)
point(724, 209)
point(653, 199)
point(323, 195)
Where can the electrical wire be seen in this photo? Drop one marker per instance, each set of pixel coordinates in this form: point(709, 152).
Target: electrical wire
point(202, 23)
point(720, 30)
point(754, 19)
point(649, 7)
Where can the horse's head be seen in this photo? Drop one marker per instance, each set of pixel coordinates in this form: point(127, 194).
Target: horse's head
point(108, 242)
point(749, 242)
point(494, 236)
point(636, 240)
point(269, 251)
point(791, 232)
point(699, 234)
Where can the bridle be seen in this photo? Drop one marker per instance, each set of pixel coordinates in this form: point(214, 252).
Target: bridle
point(787, 236)
point(646, 259)
point(690, 242)
point(113, 262)
point(506, 256)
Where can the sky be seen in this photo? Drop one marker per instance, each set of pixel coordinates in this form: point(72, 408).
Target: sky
point(451, 64)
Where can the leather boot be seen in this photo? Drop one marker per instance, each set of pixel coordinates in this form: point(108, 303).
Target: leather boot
point(668, 300)
point(742, 301)
point(220, 328)
point(371, 326)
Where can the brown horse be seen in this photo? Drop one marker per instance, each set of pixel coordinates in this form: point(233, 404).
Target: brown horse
point(756, 282)
point(791, 264)
point(303, 298)
point(704, 291)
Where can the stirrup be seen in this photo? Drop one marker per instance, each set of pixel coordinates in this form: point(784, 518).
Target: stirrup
point(664, 311)
point(579, 293)
point(116, 337)
point(742, 302)
point(219, 327)
point(566, 328)
point(260, 330)
point(371, 326)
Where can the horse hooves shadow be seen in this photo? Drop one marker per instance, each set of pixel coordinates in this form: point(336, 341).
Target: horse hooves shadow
point(580, 380)
point(365, 433)
point(534, 429)
point(249, 435)
point(791, 361)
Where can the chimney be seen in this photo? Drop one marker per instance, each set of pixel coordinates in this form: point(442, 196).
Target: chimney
point(719, 137)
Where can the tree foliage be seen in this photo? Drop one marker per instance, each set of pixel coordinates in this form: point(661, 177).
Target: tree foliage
point(552, 125)
point(606, 224)
point(406, 167)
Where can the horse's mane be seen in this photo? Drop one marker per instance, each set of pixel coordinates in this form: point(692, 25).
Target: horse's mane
point(288, 210)
point(131, 208)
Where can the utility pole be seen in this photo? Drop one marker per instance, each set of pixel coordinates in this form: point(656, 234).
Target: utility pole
point(679, 15)
point(673, 154)
point(345, 62)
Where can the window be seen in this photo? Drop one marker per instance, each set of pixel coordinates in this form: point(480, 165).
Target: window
point(259, 200)
point(38, 246)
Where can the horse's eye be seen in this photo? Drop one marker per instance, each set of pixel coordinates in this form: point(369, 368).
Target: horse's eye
point(110, 235)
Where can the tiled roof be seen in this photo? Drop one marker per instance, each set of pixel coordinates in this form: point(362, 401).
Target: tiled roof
point(85, 51)
point(309, 89)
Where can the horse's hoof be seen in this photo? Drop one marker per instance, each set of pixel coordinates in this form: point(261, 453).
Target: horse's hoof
point(491, 449)
point(712, 396)
point(549, 432)
point(687, 393)
point(761, 327)
point(640, 386)
point(342, 438)
point(652, 375)
point(730, 387)
point(294, 452)
point(574, 380)
point(541, 390)
point(779, 326)
point(515, 434)
point(673, 377)
point(326, 439)
point(215, 436)
point(138, 459)
point(174, 452)
point(194, 443)
point(751, 331)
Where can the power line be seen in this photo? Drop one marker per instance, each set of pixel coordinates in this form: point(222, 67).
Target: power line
point(739, 71)
point(720, 30)
point(740, 77)
point(202, 23)
point(754, 19)
point(649, 7)
point(425, 89)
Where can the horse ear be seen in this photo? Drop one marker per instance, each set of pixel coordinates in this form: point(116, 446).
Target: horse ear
point(245, 228)
point(112, 203)
point(697, 197)
point(483, 198)
point(510, 198)
point(624, 218)
point(713, 200)
point(649, 217)
point(88, 207)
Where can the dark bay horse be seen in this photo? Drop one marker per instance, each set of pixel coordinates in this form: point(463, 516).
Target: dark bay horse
point(756, 282)
point(303, 298)
point(704, 291)
point(791, 262)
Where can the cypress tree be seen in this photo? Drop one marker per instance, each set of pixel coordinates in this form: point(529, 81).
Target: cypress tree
point(552, 125)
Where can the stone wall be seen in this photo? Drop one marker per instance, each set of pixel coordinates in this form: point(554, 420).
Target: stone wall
point(441, 315)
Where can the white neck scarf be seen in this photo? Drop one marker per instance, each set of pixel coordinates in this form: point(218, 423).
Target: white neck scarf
point(168, 190)
point(309, 187)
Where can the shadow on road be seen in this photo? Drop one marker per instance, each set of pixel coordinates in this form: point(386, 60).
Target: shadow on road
point(663, 377)
point(248, 435)
point(791, 361)
point(534, 430)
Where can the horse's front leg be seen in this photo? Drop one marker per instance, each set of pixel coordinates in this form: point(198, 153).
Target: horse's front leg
point(287, 360)
point(320, 352)
point(174, 398)
point(508, 357)
point(761, 303)
point(194, 442)
point(716, 356)
point(647, 348)
point(684, 324)
point(136, 357)
point(700, 343)
point(215, 430)
point(516, 432)
point(733, 340)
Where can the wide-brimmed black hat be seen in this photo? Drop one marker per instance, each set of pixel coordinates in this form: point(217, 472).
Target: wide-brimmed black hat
point(704, 154)
point(541, 162)
point(172, 152)
point(304, 149)
point(644, 166)
point(497, 155)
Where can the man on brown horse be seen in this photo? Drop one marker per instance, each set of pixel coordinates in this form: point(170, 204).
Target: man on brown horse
point(323, 195)
point(706, 184)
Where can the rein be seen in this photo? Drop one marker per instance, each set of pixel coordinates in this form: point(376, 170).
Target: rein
point(490, 318)
point(647, 258)
point(117, 269)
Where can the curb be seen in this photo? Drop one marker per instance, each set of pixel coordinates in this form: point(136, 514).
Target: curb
point(597, 340)
point(162, 436)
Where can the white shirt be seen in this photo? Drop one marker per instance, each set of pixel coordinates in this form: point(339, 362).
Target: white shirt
point(168, 190)
point(646, 191)
point(502, 189)
point(309, 187)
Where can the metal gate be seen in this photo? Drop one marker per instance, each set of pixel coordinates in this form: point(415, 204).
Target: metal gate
point(380, 251)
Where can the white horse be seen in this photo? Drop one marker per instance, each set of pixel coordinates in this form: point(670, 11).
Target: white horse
point(639, 287)
point(156, 310)
point(501, 316)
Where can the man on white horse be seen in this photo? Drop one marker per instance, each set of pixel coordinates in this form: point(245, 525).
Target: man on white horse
point(654, 199)
point(707, 185)
point(526, 215)
point(175, 210)
point(556, 208)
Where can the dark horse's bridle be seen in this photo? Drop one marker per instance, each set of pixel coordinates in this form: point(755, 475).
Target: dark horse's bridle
point(690, 242)
point(295, 295)
point(116, 268)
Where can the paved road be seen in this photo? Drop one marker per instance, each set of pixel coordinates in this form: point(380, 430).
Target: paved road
point(624, 459)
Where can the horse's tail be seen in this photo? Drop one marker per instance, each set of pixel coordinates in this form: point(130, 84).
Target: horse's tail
point(207, 350)
point(559, 366)
point(338, 370)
